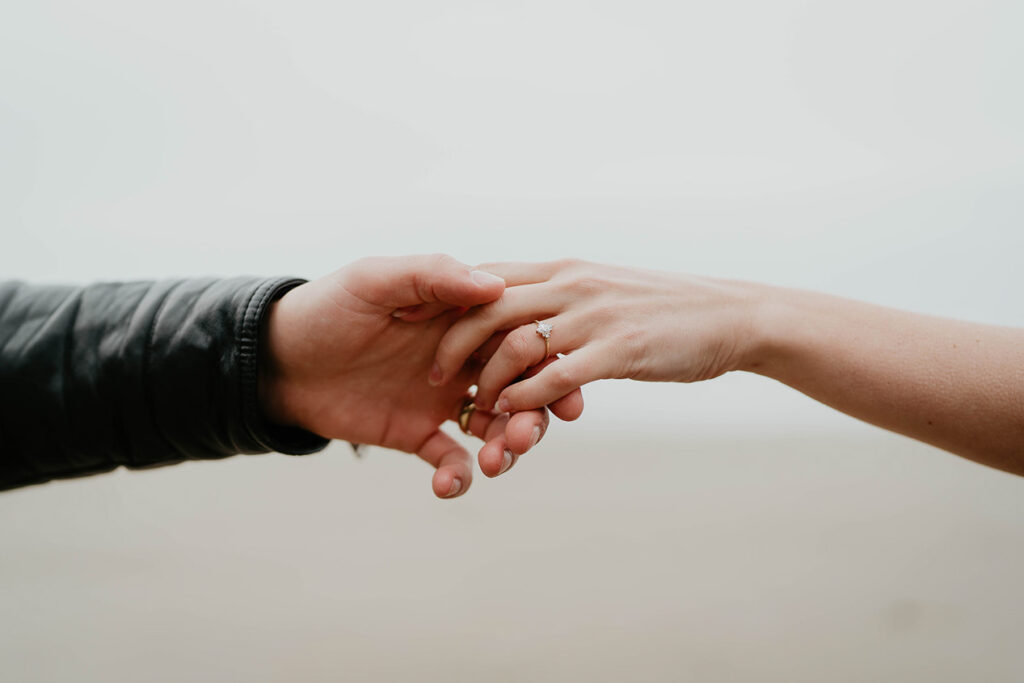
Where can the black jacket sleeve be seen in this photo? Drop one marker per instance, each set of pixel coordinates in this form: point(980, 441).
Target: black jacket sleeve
point(135, 374)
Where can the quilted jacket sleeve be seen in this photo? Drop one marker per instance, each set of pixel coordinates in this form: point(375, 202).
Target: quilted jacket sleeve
point(135, 374)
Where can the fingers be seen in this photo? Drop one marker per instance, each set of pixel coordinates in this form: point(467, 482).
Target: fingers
point(567, 408)
point(484, 353)
point(454, 472)
point(524, 348)
point(510, 437)
point(525, 430)
point(522, 273)
point(517, 306)
point(556, 380)
point(495, 456)
point(401, 282)
point(506, 437)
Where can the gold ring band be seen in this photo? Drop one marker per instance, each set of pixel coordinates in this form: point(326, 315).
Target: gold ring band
point(468, 408)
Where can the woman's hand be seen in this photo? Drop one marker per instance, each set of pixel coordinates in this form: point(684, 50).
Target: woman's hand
point(956, 385)
point(609, 322)
point(347, 357)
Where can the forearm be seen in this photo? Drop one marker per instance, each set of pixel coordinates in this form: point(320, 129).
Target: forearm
point(136, 374)
point(956, 385)
point(959, 386)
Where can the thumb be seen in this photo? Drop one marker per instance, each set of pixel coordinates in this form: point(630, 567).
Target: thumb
point(398, 282)
point(454, 471)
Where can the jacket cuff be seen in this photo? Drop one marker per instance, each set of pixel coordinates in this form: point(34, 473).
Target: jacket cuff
point(264, 434)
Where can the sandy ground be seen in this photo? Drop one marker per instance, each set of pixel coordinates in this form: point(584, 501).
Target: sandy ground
point(605, 558)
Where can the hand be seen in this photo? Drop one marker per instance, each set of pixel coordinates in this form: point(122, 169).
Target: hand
point(954, 384)
point(609, 322)
point(347, 357)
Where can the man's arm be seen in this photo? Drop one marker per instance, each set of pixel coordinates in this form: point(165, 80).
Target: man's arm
point(144, 374)
point(136, 374)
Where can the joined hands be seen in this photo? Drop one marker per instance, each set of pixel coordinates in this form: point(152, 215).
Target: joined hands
point(385, 350)
point(348, 357)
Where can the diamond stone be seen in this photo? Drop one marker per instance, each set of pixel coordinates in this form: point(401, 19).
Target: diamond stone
point(544, 329)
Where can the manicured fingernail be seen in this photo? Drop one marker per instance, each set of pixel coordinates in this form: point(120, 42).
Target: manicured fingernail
point(435, 375)
point(535, 437)
point(455, 487)
point(483, 278)
point(503, 405)
point(506, 461)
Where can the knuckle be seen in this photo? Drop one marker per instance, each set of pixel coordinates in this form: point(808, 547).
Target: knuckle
point(439, 262)
point(603, 314)
point(587, 285)
point(439, 257)
point(517, 345)
point(569, 263)
point(562, 377)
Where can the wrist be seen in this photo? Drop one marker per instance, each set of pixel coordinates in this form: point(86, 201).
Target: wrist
point(272, 383)
point(778, 324)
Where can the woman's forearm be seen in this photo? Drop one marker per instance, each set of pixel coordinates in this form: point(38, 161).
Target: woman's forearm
point(956, 385)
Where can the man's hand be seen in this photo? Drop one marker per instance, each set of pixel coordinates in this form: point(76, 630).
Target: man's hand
point(348, 356)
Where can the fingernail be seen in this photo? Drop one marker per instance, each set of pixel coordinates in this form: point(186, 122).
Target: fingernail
point(484, 278)
point(435, 375)
point(535, 437)
point(503, 405)
point(455, 487)
point(506, 461)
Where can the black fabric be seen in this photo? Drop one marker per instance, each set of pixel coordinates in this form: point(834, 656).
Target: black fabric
point(133, 374)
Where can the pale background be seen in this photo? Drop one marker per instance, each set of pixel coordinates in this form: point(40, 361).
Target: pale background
point(728, 531)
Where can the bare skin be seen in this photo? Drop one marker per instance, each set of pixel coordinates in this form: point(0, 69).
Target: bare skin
point(953, 384)
point(347, 356)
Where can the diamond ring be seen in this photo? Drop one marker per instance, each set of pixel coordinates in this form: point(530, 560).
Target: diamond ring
point(544, 330)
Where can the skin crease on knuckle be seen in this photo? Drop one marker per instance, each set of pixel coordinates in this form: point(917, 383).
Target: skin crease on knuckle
point(426, 280)
point(562, 378)
point(517, 347)
point(568, 264)
point(555, 381)
point(586, 285)
point(440, 262)
point(429, 278)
